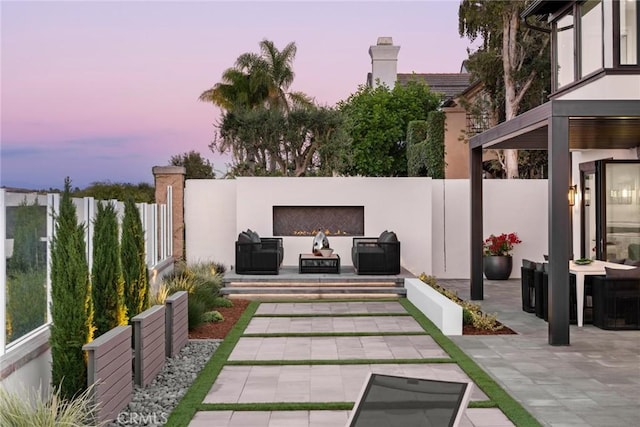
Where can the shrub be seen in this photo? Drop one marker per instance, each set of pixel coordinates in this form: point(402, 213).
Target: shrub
point(471, 313)
point(467, 317)
point(28, 409)
point(195, 313)
point(71, 307)
point(132, 255)
point(203, 284)
point(107, 283)
point(223, 302)
point(212, 316)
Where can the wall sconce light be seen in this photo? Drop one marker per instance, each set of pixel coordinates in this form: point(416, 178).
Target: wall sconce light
point(587, 196)
point(572, 195)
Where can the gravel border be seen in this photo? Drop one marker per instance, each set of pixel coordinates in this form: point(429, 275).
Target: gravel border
point(151, 405)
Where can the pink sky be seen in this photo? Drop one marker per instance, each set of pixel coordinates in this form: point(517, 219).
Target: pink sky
point(103, 91)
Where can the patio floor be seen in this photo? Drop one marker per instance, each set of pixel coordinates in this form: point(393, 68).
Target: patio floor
point(333, 382)
point(593, 382)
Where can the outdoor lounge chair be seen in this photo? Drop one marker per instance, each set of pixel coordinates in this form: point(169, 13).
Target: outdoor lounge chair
point(528, 285)
point(376, 255)
point(616, 300)
point(258, 255)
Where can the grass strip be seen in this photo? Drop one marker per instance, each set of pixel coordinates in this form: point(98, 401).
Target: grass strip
point(334, 315)
point(185, 410)
point(482, 404)
point(303, 406)
point(328, 300)
point(335, 362)
point(279, 406)
point(331, 334)
point(509, 406)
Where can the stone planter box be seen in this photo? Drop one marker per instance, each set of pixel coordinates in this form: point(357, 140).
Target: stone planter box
point(444, 313)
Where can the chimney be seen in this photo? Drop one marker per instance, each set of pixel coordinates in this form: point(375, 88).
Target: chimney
point(384, 62)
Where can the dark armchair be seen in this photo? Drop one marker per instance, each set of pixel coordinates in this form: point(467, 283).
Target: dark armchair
point(258, 255)
point(616, 299)
point(376, 255)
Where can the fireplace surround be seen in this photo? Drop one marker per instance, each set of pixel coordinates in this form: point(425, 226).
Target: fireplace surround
point(309, 220)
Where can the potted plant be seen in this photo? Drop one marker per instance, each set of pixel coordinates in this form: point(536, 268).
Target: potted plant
point(497, 255)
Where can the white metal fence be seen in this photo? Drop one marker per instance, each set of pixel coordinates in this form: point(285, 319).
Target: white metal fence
point(156, 222)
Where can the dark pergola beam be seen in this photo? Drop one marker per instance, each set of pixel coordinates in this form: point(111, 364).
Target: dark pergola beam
point(475, 194)
point(559, 230)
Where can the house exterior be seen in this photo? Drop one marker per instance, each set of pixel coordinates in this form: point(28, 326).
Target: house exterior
point(384, 61)
point(591, 129)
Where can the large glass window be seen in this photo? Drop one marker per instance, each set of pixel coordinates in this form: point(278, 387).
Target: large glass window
point(26, 268)
point(628, 32)
point(565, 50)
point(590, 37)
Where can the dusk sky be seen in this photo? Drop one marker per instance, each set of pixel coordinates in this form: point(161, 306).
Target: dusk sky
point(104, 91)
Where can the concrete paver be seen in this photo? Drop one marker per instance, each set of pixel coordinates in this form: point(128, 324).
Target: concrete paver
point(355, 307)
point(317, 383)
point(279, 325)
point(337, 348)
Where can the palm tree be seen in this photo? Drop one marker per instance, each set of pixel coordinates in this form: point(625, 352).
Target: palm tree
point(259, 80)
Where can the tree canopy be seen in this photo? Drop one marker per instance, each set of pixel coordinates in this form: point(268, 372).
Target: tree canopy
point(512, 63)
point(376, 120)
point(268, 129)
point(197, 167)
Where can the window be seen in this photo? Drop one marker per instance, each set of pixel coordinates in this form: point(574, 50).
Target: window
point(590, 37)
point(565, 50)
point(628, 32)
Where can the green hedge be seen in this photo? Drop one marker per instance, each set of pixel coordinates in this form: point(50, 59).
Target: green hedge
point(425, 157)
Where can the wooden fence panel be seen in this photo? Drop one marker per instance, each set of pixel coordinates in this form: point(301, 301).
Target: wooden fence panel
point(177, 322)
point(149, 344)
point(109, 371)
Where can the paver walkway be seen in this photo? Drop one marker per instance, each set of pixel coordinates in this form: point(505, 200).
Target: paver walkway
point(333, 382)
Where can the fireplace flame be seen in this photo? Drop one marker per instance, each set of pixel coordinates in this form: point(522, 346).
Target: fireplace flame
point(313, 232)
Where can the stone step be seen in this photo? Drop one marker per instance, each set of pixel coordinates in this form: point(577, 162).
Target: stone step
point(321, 291)
point(306, 284)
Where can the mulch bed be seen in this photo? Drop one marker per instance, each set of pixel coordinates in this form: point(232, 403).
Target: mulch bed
point(470, 330)
point(219, 330)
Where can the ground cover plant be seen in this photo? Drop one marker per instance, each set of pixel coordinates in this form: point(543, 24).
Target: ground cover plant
point(202, 281)
point(474, 320)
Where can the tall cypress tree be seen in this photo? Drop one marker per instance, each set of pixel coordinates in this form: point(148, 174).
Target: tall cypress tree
point(134, 268)
point(71, 308)
point(107, 283)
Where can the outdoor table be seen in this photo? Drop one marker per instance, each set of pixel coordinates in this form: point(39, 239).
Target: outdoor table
point(596, 268)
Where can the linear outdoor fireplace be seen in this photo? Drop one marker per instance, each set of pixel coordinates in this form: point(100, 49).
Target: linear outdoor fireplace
point(309, 220)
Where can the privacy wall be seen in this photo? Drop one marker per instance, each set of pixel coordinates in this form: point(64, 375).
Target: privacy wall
point(430, 217)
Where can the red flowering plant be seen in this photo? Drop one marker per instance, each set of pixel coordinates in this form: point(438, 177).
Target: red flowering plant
point(500, 245)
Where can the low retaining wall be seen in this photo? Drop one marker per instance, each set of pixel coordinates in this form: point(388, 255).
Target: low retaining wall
point(109, 371)
point(444, 313)
point(177, 323)
point(148, 344)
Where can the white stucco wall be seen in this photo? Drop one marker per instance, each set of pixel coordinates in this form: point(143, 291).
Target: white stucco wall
point(518, 206)
point(431, 217)
point(606, 88)
point(217, 210)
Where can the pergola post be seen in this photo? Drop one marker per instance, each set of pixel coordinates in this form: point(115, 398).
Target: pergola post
point(475, 193)
point(559, 229)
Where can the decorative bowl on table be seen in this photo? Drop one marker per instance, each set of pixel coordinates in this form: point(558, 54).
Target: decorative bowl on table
point(326, 252)
point(583, 261)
